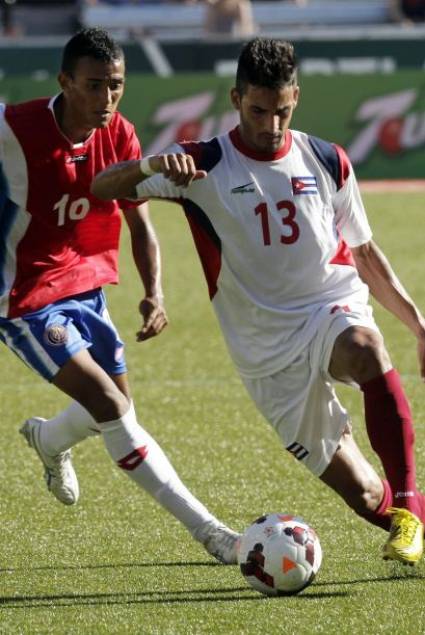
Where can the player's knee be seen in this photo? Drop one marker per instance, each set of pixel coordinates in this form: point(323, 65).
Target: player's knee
point(368, 356)
point(109, 406)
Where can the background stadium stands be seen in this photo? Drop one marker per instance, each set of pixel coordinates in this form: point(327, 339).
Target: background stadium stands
point(186, 20)
point(181, 20)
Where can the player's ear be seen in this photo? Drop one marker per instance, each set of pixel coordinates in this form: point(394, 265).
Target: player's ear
point(64, 79)
point(235, 98)
point(296, 95)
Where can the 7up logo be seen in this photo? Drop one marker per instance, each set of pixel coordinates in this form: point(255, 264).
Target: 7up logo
point(186, 119)
point(388, 126)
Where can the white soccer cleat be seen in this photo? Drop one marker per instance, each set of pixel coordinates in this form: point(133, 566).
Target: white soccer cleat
point(220, 542)
point(59, 474)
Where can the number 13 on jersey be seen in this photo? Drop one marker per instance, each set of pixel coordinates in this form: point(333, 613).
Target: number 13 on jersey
point(292, 230)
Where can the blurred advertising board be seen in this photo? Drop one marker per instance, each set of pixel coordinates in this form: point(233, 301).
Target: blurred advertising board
point(401, 49)
point(378, 118)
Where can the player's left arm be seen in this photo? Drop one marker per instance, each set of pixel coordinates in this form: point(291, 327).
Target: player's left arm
point(376, 271)
point(147, 257)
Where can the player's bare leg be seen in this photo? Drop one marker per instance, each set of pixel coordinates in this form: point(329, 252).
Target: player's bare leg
point(137, 453)
point(359, 355)
point(74, 424)
point(351, 476)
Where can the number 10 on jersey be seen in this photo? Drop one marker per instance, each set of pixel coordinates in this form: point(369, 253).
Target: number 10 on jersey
point(74, 210)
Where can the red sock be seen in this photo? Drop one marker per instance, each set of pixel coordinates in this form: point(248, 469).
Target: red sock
point(383, 520)
point(422, 504)
point(390, 429)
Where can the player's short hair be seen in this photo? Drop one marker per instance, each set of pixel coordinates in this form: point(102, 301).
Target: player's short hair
point(93, 42)
point(266, 62)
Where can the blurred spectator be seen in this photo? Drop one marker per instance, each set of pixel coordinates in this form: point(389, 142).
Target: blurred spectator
point(38, 17)
point(128, 2)
point(229, 16)
point(407, 11)
point(44, 3)
point(7, 18)
point(113, 1)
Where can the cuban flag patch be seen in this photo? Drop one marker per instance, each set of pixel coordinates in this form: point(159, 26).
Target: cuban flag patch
point(304, 185)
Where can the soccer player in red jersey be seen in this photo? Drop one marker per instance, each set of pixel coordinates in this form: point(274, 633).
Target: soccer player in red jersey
point(288, 254)
point(59, 246)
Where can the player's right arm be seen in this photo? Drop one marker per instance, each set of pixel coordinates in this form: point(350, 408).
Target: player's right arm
point(146, 255)
point(121, 179)
point(375, 270)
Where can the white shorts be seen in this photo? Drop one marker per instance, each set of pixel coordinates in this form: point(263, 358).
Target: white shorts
point(300, 401)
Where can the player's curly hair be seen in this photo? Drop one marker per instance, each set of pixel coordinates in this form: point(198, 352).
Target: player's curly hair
point(93, 42)
point(266, 62)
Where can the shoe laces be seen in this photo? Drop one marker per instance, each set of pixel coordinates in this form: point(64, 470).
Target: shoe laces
point(60, 464)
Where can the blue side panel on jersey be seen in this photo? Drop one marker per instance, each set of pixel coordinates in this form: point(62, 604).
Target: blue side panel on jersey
point(7, 214)
point(194, 211)
point(328, 156)
point(206, 153)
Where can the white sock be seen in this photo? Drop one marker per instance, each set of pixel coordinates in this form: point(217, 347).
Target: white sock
point(140, 456)
point(66, 429)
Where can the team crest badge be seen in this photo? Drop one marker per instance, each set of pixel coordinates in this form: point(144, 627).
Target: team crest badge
point(56, 335)
point(119, 353)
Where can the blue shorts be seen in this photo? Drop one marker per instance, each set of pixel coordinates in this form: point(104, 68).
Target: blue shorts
point(46, 339)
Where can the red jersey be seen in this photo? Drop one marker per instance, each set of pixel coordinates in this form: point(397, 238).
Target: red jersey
point(56, 238)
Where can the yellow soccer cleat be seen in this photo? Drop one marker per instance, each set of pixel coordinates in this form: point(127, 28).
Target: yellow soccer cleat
point(405, 542)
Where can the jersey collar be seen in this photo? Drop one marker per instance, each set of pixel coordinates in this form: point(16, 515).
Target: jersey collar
point(239, 144)
point(50, 106)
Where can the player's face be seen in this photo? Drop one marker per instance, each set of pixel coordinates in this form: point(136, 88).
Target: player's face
point(265, 115)
point(92, 92)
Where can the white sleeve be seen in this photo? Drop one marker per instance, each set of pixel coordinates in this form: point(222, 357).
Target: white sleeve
point(350, 213)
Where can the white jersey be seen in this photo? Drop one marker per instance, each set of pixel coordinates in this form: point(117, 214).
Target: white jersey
point(273, 234)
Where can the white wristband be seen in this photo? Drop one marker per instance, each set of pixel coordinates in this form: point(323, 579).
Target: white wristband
point(145, 167)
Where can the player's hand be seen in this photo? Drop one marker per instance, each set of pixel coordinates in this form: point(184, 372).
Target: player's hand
point(154, 318)
point(179, 168)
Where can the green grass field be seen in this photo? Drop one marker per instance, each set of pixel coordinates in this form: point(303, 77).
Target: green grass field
point(116, 563)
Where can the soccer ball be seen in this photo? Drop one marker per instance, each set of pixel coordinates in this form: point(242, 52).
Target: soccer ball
point(279, 554)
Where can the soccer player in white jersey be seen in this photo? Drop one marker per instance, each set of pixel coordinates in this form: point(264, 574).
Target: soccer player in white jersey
point(288, 254)
point(58, 247)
